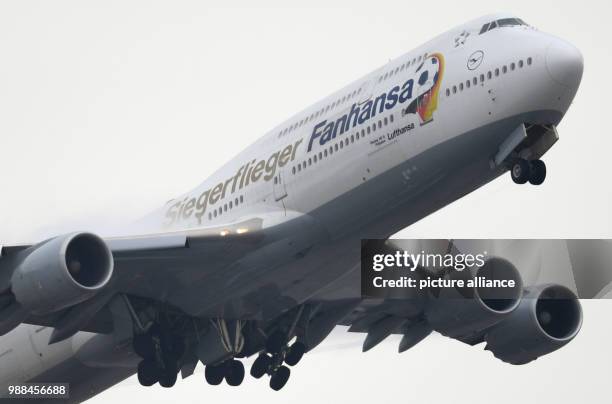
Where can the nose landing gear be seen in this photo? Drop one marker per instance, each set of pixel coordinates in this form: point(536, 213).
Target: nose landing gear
point(533, 171)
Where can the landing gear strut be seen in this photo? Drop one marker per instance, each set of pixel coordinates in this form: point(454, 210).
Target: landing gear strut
point(533, 171)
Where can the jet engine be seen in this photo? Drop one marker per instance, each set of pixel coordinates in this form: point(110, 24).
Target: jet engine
point(463, 312)
point(61, 272)
point(548, 317)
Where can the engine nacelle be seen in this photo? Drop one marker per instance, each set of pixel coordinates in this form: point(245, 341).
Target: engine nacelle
point(548, 317)
point(465, 312)
point(62, 272)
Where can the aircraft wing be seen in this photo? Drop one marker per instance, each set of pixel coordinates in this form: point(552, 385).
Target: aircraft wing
point(170, 267)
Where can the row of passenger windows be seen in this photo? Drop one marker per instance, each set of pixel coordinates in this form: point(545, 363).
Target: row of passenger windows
point(345, 141)
point(401, 68)
point(348, 97)
point(320, 112)
point(226, 207)
point(489, 75)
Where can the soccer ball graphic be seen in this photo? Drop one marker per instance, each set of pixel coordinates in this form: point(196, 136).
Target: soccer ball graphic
point(428, 78)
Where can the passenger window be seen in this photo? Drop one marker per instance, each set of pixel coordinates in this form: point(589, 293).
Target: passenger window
point(497, 72)
point(529, 61)
point(336, 147)
point(475, 80)
point(447, 92)
point(454, 89)
point(368, 130)
point(391, 117)
point(225, 207)
point(236, 200)
point(215, 213)
point(315, 158)
point(241, 198)
point(379, 124)
point(460, 86)
point(489, 75)
point(505, 69)
point(520, 64)
point(352, 138)
point(468, 84)
point(512, 66)
point(386, 121)
point(320, 155)
point(325, 152)
point(341, 144)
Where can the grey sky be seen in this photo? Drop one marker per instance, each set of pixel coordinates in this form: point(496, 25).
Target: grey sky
point(110, 108)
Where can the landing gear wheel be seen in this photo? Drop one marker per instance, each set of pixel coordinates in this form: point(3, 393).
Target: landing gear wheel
point(279, 378)
point(148, 373)
point(276, 342)
point(234, 372)
point(143, 346)
point(538, 172)
point(214, 374)
point(167, 378)
point(520, 171)
point(260, 366)
point(295, 354)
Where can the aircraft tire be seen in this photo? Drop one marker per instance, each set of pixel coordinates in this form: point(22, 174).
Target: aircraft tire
point(214, 374)
point(168, 377)
point(260, 366)
point(234, 372)
point(520, 171)
point(296, 352)
point(280, 378)
point(538, 172)
point(148, 373)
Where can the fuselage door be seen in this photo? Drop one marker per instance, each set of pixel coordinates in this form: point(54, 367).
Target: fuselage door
point(280, 189)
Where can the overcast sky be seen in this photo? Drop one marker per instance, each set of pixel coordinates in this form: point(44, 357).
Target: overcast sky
point(108, 109)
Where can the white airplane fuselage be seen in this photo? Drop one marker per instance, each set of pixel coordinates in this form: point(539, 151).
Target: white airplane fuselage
point(365, 162)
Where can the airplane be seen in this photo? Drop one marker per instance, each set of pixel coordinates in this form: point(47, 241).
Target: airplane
point(263, 258)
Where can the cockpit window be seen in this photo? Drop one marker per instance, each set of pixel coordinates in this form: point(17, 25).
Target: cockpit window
point(504, 22)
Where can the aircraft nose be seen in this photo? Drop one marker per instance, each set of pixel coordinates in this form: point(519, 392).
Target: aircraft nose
point(564, 63)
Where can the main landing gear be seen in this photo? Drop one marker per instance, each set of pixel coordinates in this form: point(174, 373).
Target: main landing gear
point(272, 361)
point(533, 171)
point(231, 370)
point(160, 352)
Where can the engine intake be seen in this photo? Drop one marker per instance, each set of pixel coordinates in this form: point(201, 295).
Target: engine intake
point(549, 317)
point(463, 312)
point(62, 272)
